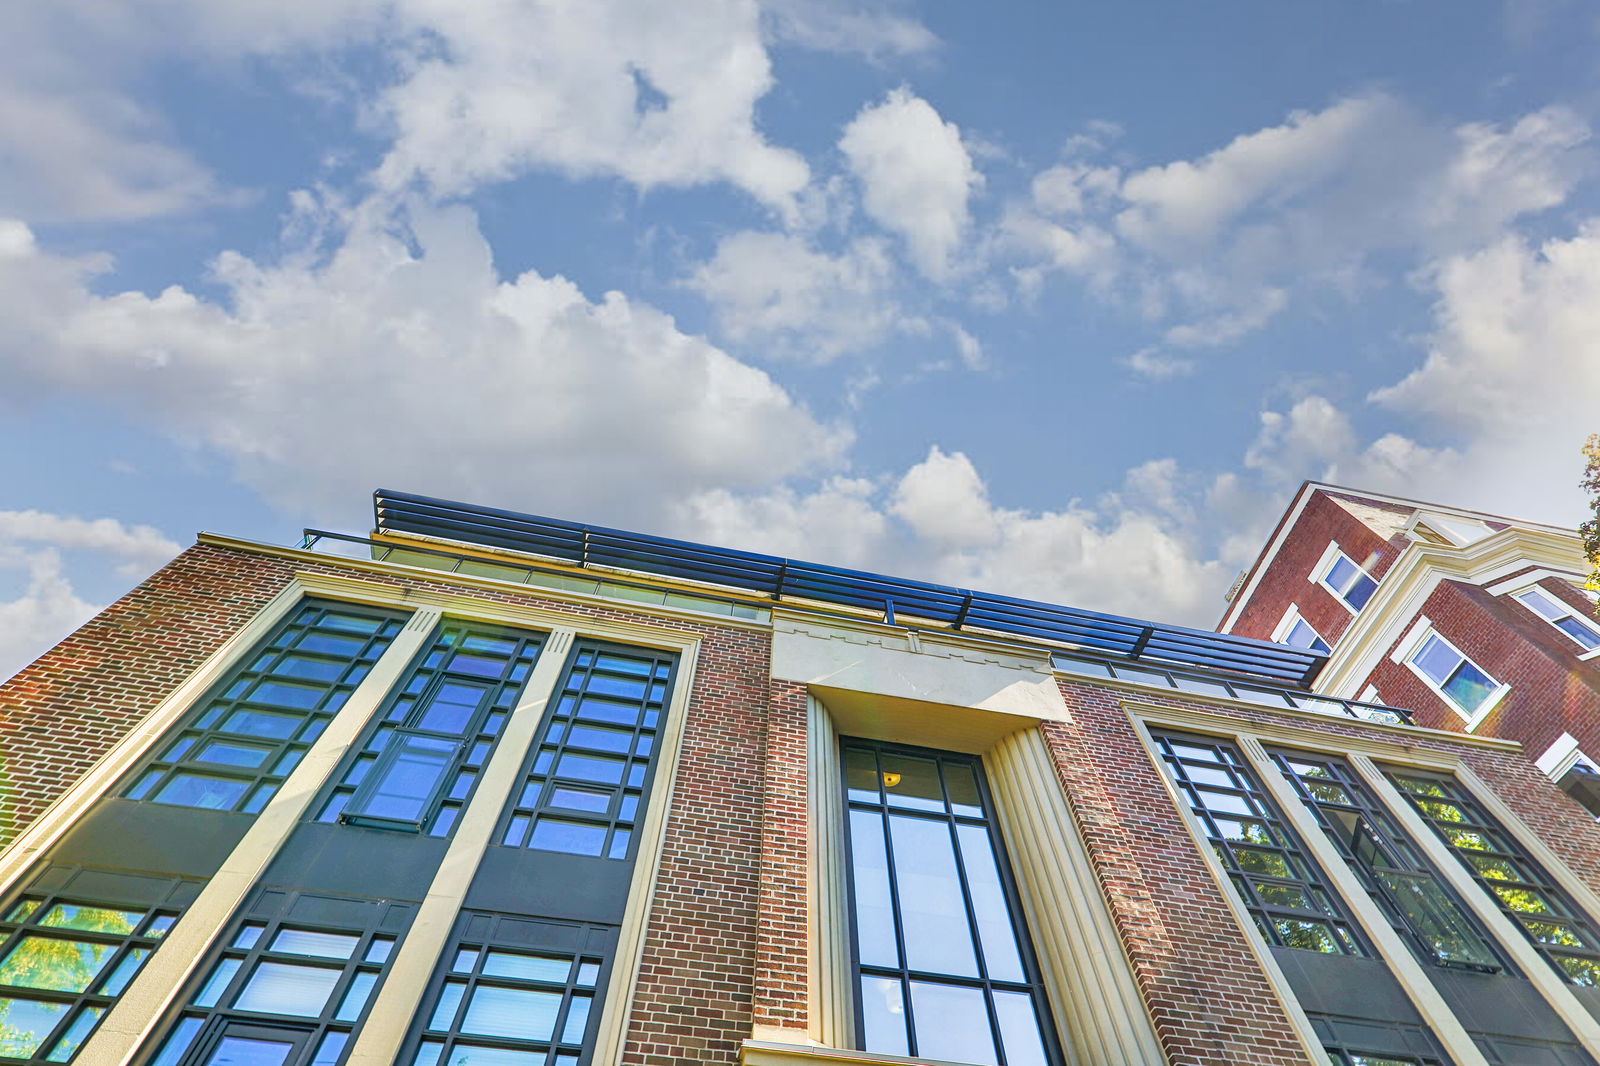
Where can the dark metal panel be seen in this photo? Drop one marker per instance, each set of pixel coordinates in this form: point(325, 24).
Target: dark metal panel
point(346, 860)
point(129, 835)
point(1345, 985)
point(579, 888)
point(1499, 1004)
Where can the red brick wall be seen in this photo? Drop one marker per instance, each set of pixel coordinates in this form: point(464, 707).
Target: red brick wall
point(1552, 692)
point(1287, 578)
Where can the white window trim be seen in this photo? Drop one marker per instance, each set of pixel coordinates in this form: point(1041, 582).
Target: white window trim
point(1435, 521)
point(1319, 575)
point(1562, 755)
point(1286, 626)
point(1534, 586)
point(1412, 643)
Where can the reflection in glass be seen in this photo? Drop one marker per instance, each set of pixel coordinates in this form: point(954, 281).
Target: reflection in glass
point(283, 988)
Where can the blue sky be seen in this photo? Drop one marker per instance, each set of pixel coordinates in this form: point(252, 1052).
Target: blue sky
point(1055, 299)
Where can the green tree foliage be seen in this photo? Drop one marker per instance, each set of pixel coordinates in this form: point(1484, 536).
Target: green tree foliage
point(1590, 530)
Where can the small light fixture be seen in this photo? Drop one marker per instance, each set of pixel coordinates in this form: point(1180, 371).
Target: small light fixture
point(890, 779)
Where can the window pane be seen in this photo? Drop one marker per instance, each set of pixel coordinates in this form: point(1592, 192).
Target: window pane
point(226, 753)
point(24, 1024)
point(574, 838)
point(952, 1023)
point(1580, 632)
point(1435, 918)
point(469, 1055)
point(56, 964)
point(283, 988)
point(1470, 686)
point(196, 790)
point(1019, 1029)
point(883, 1016)
point(1541, 603)
point(513, 1013)
point(75, 1035)
point(408, 783)
point(243, 1051)
point(1436, 659)
point(91, 919)
point(933, 914)
point(527, 967)
point(911, 783)
point(989, 904)
point(874, 911)
point(307, 942)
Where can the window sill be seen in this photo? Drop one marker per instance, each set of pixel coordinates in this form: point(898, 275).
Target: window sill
point(772, 1053)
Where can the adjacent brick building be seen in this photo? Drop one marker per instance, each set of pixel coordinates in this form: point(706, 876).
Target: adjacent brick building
point(1478, 622)
point(487, 789)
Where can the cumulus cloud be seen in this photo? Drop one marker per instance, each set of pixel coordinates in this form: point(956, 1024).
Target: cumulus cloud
point(916, 176)
point(1212, 248)
point(400, 356)
point(792, 301)
point(878, 31)
point(48, 607)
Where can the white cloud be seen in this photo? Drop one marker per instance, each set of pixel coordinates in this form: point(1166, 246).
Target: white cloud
point(321, 377)
point(875, 30)
point(790, 301)
point(49, 607)
point(916, 176)
point(837, 523)
point(1257, 310)
point(1156, 365)
point(946, 502)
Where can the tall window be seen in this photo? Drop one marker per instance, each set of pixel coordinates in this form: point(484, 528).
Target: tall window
point(1525, 891)
point(69, 946)
point(1450, 673)
point(1342, 577)
point(512, 991)
point(944, 969)
point(1583, 632)
point(292, 984)
point(1419, 906)
point(421, 762)
point(592, 762)
point(1280, 887)
point(252, 730)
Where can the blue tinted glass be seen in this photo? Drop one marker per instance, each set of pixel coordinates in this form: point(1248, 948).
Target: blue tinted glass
point(410, 779)
point(196, 790)
point(574, 838)
point(1359, 593)
point(1436, 659)
point(245, 1051)
point(933, 916)
point(27, 1023)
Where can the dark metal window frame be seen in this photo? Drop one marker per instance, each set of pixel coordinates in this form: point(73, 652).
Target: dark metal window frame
point(1033, 983)
point(409, 701)
point(478, 933)
point(1383, 836)
point(205, 724)
point(1349, 1056)
point(22, 916)
point(1250, 884)
point(1509, 855)
point(197, 1029)
point(540, 778)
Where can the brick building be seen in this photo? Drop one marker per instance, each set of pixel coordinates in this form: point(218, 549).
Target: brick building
point(1478, 622)
point(484, 789)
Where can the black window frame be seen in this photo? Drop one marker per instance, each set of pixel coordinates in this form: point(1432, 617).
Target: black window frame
point(205, 724)
point(195, 1028)
point(24, 913)
point(400, 717)
point(1032, 983)
point(1364, 831)
point(584, 944)
point(1507, 853)
point(1253, 887)
point(629, 797)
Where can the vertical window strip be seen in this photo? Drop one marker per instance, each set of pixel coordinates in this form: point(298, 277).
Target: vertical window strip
point(1525, 891)
point(593, 759)
point(251, 731)
point(1275, 879)
point(943, 965)
point(498, 1002)
point(1416, 901)
point(279, 980)
point(65, 958)
point(422, 759)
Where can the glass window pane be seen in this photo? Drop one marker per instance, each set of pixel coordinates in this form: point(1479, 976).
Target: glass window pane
point(577, 1020)
point(911, 783)
point(962, 785)
point(322, 945)
point(76, 1034)
point(861, 775)
point(1436, 659)
point(883, 1016)
point(1470, 686)
point(355, 1000)
point(124, 972)
point(1019, 1029)
point(989, 904)
point(27, 1022)
point(197, 790)
point(262, 724)
point(873, 910)
point(250, 1051)
point(227, 753)
point(217, 983)
point(512, 1013)
point(574, 838)
point(444, 1015)
point(472, 1055)
point(330, 1049)
point(933, 914)
point(54, 963)
point(284, 988)
point(580, 799)
point(527, 967)
point(408, 783)
point(591, 768)
point(1436, 919)
point(91, 919)
point(952, 1023)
